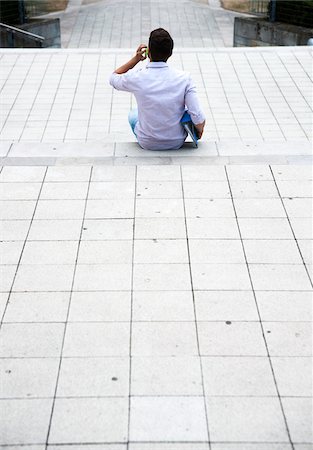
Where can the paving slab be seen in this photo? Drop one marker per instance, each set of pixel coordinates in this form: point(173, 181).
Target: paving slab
point(156, 308)
point(58, 105)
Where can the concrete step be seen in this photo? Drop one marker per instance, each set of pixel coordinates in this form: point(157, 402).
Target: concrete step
point(212, 152)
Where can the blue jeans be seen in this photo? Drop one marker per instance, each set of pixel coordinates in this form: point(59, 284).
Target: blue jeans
point(133, 119)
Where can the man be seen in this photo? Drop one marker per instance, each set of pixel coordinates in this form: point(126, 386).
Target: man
point(162, 95)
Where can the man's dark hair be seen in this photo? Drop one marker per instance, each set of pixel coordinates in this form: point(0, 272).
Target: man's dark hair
point(160, 45)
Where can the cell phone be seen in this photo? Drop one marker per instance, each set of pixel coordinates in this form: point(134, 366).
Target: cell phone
point(147, 52)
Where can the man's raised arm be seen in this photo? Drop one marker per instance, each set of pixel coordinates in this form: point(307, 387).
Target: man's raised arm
point(140, 56)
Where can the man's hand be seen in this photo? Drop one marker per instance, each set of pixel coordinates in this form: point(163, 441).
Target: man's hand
point(140, 56)
point(141, 52)
point(200, 128)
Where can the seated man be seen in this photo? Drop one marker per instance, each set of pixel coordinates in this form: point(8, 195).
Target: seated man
point(162, 95)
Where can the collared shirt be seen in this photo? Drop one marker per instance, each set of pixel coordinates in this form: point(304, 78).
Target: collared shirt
point(162, 95)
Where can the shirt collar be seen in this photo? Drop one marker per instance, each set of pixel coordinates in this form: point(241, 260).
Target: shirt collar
point(157, 64)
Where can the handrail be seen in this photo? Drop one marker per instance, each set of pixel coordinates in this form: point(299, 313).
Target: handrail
point(27, 34)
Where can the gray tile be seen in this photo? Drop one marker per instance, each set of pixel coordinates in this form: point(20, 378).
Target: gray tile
point(284, 305)
point(111, 190)
point(98, 230)
point(88, 447)
point(293, 376)
point(45, 278)
point(197, 208)
point(251, 446)
point(267, 208)
point(49, 252)
point(24, 421)
point(28, 174)
point(299, 188)
point(164, 339)
point(231, 339)
point(235, 376)
point(212, 228)
point(160, 251)
point(288, 338)
point(60, 209)
point(113, 173)
point(253, 189)
point(64, 191)
point(225, 305)
point(160, 228)
point(28, 377)
point(166, 376)
point(206, 189)
point(14, 230)
point(298, 413)
point(31, 340)
point(161, 277)
point(55, 230)
point(163, 306)
point(103, 277)
point(100, 306)
point(7, 274)
point(105, 252)
point(94, 377)
point(158, 173)
point(37, 307)
point(306, 249)
point(203, 173)
point(249, 172)
point(220, 277)
point(292, 172)
point(279, 277)
point(298, 207)
point(163, 446)
point(17, 209)
point(302, 227)
point(110, 209)
point(159, 208)
point(265, 228)
point(68, 173)
point(3, 302)
point(19, 191)
point(159, 189)
point(79, 420)
point(10, 252)
point(269, 251)
point(182, 419)
point(256, 419)
point(96, 339)
point(217, 251)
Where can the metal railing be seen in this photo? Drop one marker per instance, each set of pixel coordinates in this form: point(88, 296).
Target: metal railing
point(17, 35)
point(259, 7)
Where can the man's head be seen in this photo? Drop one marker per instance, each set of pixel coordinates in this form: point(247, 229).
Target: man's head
point(160, 45)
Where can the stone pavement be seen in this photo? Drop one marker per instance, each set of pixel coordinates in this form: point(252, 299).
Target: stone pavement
point(156, 300)
point(57, 96)
point(156, 307)
point(125, 23)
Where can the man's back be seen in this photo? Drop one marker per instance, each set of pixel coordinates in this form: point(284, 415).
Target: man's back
point(160, 93)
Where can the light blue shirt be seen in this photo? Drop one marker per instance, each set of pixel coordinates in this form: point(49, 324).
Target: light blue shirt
point(162, 95)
